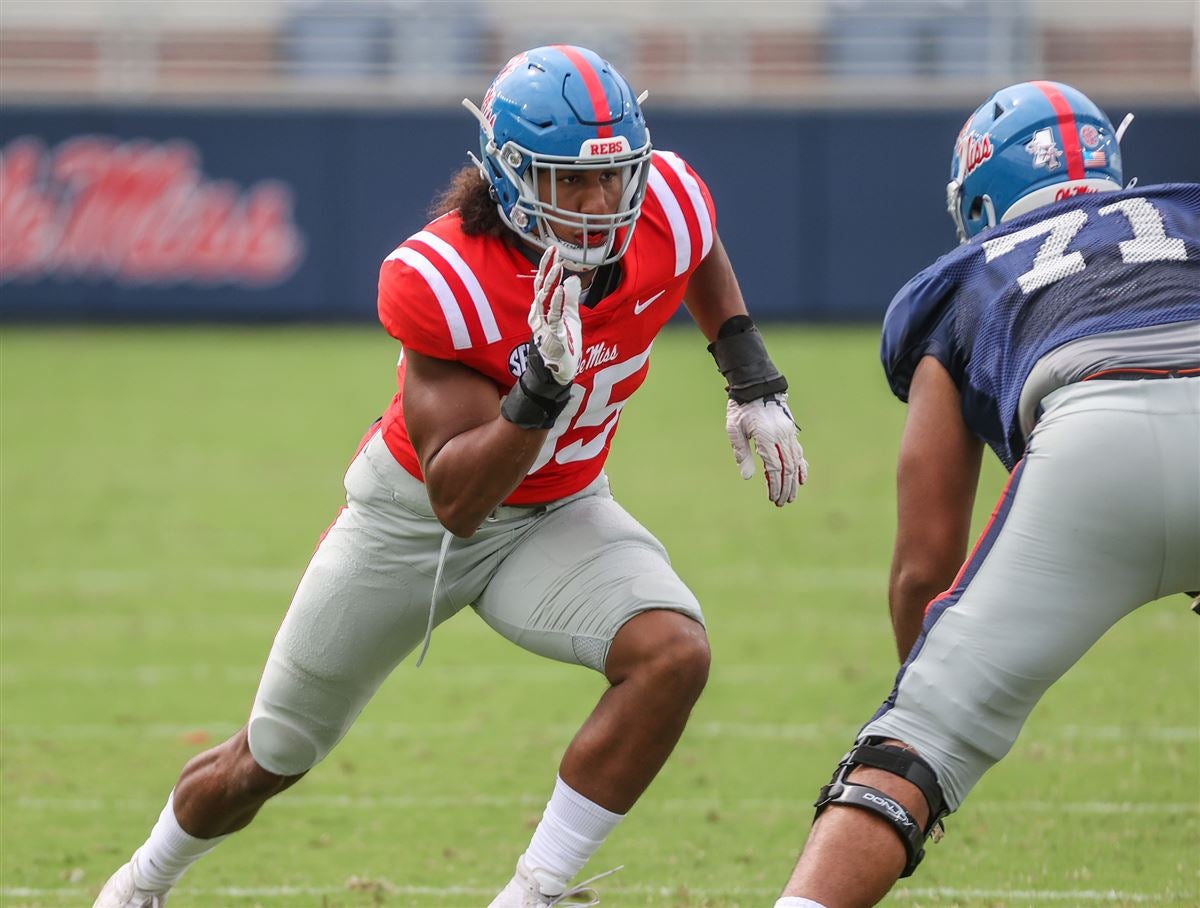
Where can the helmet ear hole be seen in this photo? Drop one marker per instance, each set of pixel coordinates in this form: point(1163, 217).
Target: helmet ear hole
point(976, 209)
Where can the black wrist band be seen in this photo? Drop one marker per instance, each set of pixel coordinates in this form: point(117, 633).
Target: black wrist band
point(536, 400)
point(735, 324)
point(529, 412)
point(741, 356)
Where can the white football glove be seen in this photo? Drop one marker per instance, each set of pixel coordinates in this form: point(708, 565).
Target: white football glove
point(554, 318)
point(768, 423)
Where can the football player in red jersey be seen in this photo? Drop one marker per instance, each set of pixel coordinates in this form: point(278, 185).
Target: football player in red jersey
point(526, 314)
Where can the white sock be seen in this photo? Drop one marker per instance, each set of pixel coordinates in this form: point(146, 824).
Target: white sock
point(794, 901)
point(169, 851)
point(571, 830)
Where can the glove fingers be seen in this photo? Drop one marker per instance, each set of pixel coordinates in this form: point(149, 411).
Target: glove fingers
point(571, 291)
point(772, 467)
point(791, 480)
point(542, 298)
point(544, 285)
point(572, 330)
point(773, 485)
point(545, 266)
point(551, 287)
point(787, 478)
point(741, 449)
point(554, 315)
point(746, 466)
point(787, 474)
point(793, 459)
point(745, 462)
point(801, 465)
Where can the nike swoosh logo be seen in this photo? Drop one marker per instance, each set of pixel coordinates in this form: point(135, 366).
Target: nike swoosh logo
point(640, 307)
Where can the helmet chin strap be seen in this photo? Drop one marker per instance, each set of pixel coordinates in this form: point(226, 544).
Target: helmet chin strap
point(954, 204)
point(533, 252)
point(990, 211)
point(566, 250)
point(953, 197)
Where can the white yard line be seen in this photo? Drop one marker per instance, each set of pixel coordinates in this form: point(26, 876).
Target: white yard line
point(106, 581)
point(297, 801)
point(474, 674)
point(1034, 895)
point(114, 581)
point(666, 892)
point(739, 731)
point(151, 674)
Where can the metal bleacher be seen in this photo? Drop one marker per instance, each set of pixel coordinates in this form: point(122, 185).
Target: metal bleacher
point(431, 52)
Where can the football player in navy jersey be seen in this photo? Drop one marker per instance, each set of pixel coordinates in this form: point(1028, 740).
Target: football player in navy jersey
point(1064, 333)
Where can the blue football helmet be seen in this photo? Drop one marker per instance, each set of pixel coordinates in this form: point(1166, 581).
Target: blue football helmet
point(1026, 146)
point(563, 107)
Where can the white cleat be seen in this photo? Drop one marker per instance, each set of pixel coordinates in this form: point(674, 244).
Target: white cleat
point(533, 888)
point(122, 891)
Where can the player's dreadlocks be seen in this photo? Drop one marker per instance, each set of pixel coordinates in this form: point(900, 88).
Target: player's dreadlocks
point(470, 195)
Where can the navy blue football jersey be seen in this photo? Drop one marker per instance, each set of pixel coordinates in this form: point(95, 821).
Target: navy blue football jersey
point(1091, 265)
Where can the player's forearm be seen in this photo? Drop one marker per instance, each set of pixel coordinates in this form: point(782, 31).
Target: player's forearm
point(909, 592)
point(935, 492)
point(475, 471)
point(924, 564)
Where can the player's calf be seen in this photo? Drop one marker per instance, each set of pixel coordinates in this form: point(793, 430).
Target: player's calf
point(218, 793)
point(853, 857)
point(220, 790)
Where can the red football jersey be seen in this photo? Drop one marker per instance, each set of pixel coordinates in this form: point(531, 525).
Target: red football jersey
point(456, 297)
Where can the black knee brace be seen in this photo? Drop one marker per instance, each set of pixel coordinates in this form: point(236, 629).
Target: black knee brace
point(906, 765)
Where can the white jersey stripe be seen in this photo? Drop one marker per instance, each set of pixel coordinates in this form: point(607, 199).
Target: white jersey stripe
point(679, 229)
point(459, 335)
point(693, 190)
point(463, 270)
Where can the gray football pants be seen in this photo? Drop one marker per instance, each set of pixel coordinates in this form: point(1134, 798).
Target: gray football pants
point(1100, 517)
point(558, 580)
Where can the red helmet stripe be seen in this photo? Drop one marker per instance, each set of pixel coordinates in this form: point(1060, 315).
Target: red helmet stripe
point(1066, 128)
point(594, 89)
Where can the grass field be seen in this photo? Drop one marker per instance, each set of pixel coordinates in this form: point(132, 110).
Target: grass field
point(162, 490)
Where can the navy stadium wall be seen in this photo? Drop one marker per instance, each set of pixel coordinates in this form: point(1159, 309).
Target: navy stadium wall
point(218, 215)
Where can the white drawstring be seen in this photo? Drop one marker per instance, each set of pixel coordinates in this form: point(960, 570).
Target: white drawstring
point(447, 538)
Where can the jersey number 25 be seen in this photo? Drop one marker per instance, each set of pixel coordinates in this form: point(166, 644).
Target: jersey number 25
point(601, 410)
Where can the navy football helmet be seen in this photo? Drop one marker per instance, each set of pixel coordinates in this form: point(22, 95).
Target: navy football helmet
point(1028, 145)
point(563, 107)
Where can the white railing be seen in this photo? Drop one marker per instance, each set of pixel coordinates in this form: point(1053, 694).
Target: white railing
point(398, 53)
